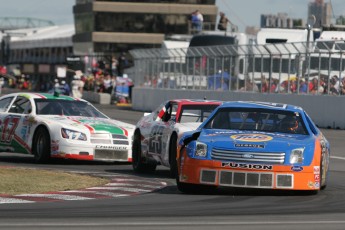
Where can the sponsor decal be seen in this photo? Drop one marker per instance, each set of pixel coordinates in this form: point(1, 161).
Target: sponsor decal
point(111, 147)
point(316, 169)
point(317, 185)
point(310, 184)
point(250, 146)
point(317, 177)
point(54, 146)
point(251, 137)
point(297, 168)
point(246, 166)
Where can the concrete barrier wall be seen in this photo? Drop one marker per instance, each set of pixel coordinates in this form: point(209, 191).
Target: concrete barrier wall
point(99, 98)
point(326, 111)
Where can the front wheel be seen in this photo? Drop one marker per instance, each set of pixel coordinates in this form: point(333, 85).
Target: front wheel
point(172, 156)
point(323, 172)
point(138, 162)
point(41, 145)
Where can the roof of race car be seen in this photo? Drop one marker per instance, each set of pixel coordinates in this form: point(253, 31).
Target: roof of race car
point(261, 105)
point(44, 96)
point(195, 101)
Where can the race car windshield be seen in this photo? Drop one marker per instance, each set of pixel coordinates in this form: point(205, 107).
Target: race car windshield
point(263, 120)
point(195, 113)
point(66, 108)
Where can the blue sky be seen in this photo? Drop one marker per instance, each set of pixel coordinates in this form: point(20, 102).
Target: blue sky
point(241, 12)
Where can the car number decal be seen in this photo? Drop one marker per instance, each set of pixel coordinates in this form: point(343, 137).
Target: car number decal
point(8, 127)
point(155, 140)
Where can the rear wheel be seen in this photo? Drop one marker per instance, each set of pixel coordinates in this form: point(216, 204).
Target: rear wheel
point(41, 145)
point(138, 162)
point(172, 156)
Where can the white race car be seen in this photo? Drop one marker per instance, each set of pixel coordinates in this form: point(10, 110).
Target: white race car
point(57, 126)
point(156, 134)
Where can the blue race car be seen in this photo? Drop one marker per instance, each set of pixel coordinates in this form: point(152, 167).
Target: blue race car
point(254, 145)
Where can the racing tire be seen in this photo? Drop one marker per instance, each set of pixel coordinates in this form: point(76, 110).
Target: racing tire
point(323, 182)
point(138, 163)
point(172, 156)
point(41, 145)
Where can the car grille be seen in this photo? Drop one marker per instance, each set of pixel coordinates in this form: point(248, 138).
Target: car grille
point(107, 138)
point(238, 156)
point(247, 179)
point(111, 155)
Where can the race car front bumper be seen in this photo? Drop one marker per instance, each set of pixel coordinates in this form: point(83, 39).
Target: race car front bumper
point(232, 174)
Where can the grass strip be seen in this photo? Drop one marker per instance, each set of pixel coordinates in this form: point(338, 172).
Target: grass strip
point(27, 181)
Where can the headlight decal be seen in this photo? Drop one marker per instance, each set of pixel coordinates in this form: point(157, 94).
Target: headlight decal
point(201, 149)
point(73, 135)
point(297, 156)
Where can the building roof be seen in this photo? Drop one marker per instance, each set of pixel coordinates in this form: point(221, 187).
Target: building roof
point(51, 36)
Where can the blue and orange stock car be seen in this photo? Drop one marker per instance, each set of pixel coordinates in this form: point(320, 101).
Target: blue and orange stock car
point(254, 145)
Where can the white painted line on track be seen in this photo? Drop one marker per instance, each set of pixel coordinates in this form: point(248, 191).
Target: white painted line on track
point(56, 196)
point(339, 158)
point(120, 188)
point(4, 200)
point(132, 185)
point(110, 194)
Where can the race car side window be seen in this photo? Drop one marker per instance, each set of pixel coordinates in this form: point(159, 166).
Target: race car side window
point(311, 125)
point(21, 105)
point(5, 103)
point(167, 115)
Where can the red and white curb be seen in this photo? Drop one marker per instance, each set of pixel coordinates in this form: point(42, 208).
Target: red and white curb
point(119, 186)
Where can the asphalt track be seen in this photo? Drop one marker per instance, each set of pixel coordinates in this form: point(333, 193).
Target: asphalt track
point(167, 208)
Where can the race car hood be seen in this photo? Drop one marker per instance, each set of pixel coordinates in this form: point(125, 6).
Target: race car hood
point(188, 126)
point(92, 124)
point(254, 140)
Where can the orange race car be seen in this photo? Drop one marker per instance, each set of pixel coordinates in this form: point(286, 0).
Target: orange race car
point(254, 145)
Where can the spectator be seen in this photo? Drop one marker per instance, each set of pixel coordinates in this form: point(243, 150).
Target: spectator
point(113, 84)
point(77, 85)
point(64, 88)
point(114, 64)
point(293, 86)
point(264, 84)
point(302, 86)
point(200, 21)
point(342, 88)
point(122, 64)
point(197, 20)
point(274, 85)
point(335, 85)
point(107, 83)
point(313, 86)
point(223, 22)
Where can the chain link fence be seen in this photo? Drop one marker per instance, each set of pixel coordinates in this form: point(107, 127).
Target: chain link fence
point(294, 68)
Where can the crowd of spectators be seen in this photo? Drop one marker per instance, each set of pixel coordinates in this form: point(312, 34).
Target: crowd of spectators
point(102, 78)
point(314, 85)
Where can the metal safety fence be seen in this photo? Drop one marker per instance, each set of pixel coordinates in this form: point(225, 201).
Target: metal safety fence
point(296, 68)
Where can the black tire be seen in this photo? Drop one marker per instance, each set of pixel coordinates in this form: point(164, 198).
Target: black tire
point(41, 145)
point(138, 163)
point(172, 156)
